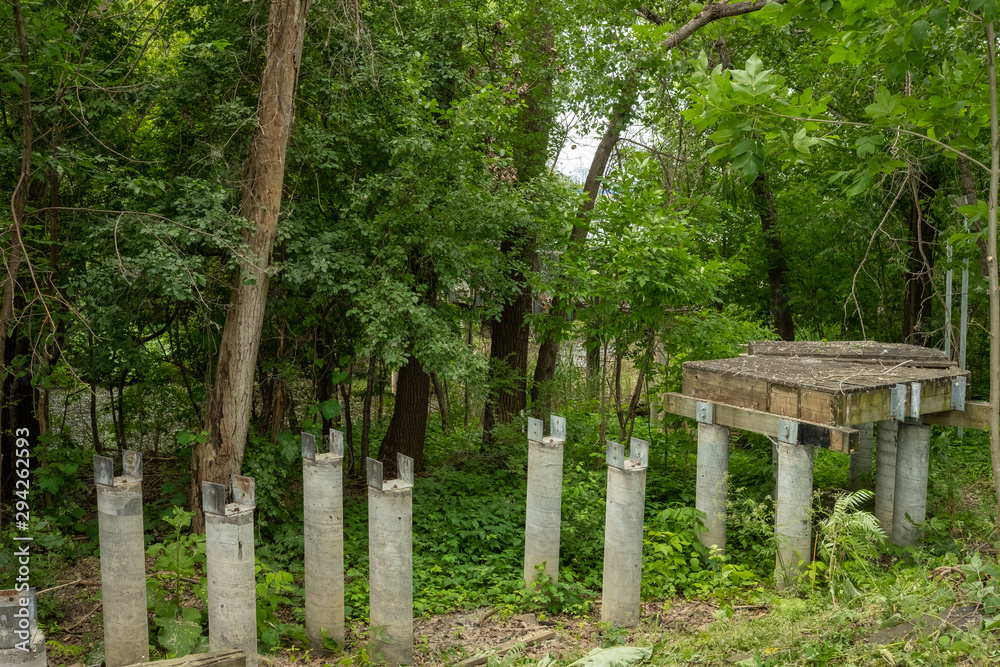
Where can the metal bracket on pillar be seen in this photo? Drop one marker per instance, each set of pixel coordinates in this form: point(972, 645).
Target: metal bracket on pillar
point(897, 402)
point(616, 454)
point(788, 431)
point(534, 429)
point(915, 400)
point(244, 491)
point(104, 471)
point(557, 428)
point(374, 470)
point(213, 498)
point(337, 443)
point(704, 412)
point(11, 613)
point(309, 446)
point(132, 465)
point(958, 393)
point(404, 466)
point(638, 452)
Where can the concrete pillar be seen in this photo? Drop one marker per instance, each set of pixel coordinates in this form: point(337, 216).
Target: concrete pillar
point(544, 499)
point(913, 452)
point(22, 644)
point(885, 474)
point(860, 470)
point(710, 488)
point(229, 561)
point(390, 558)
point(793, 510)
point(323, 519)
point(623, 524)
point(123, 560)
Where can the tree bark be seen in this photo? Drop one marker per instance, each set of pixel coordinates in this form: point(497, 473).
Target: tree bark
point(408, 424)
point(228, 415)
point(12, 260)
point(774, 254)
point(994, 282)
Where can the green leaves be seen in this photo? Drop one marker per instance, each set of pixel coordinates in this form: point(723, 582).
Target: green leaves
point(181, 635)
point(885, 104)
point(755, 82)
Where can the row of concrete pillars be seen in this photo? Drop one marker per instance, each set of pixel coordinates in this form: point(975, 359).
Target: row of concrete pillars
point(624, 517)
point(902, 458)
point(229, 552)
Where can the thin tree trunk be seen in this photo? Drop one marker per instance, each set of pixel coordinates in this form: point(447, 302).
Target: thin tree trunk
point(346, 392)
point(366, 418)
point(442, 399)
point(969, 188)
point(777, 268)
point(228, 415)
point(919, 290)
point(618, 394)
point(994, 282)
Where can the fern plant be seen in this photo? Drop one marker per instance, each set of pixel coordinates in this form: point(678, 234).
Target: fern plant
point(849, 537)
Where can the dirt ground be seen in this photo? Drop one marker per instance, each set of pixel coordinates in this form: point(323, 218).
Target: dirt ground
point(444, 639)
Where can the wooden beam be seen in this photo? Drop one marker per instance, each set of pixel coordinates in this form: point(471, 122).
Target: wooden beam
point(213, 659)
point(976, 415)
point(835, 438)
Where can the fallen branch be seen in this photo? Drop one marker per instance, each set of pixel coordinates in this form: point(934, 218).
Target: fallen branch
point(481, 658)
point(55, 588)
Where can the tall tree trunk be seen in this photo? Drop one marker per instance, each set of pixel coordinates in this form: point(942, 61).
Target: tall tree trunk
point(777, 268)
point(994, 281)
point(228, 415)
point(548, 349)
point(408, 425)
point(509, 341)
point(12, 259)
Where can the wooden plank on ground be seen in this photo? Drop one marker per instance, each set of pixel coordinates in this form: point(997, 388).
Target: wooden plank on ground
point(976, 415)
point(835, 438)
point(212, 659)
point(534, 638)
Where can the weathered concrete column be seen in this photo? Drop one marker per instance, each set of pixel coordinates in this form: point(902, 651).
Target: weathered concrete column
point(22, 644)
point(544, 500)
point(860, 469)
point(793, 509)
point(624, 518)
point(710, 487)
point(323, 523)
point(885, 473)
point(229, 561)
point(390, 557)
point(123, 560)
point(913, 451)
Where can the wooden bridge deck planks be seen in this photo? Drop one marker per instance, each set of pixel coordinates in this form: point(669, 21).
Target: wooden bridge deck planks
point(825, 389)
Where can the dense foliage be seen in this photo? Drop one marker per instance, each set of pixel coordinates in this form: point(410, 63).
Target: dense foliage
point(807, 169)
